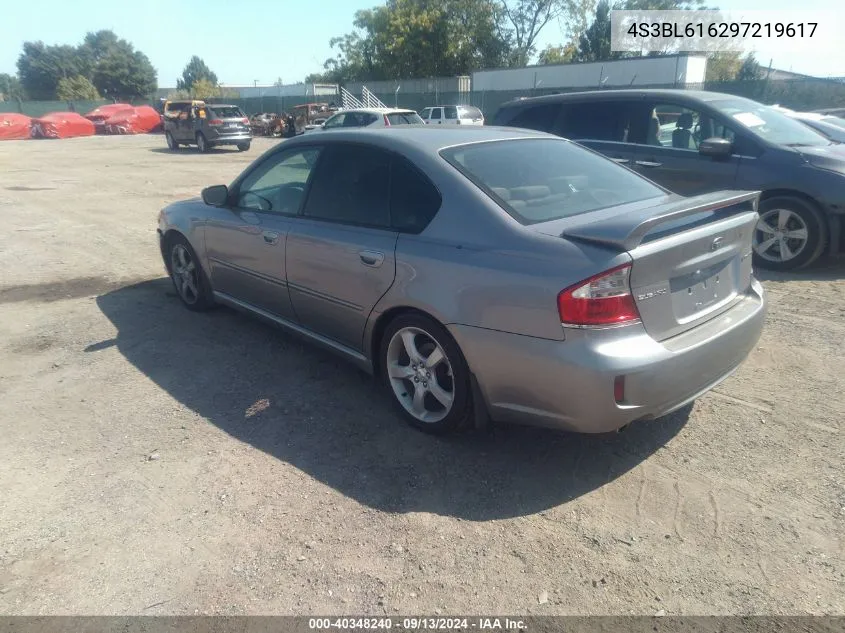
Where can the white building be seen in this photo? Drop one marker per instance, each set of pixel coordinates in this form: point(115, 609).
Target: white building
point(672, 70)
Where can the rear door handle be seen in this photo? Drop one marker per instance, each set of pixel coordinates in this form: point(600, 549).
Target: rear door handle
point(371, 258)
point(648, 163)
point(270, 237)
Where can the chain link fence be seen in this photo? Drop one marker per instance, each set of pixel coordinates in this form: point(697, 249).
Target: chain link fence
point(797, 94)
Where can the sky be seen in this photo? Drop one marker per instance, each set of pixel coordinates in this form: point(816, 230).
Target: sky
point(263, 40)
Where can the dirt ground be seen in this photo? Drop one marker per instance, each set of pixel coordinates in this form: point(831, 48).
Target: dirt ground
point(156, 461)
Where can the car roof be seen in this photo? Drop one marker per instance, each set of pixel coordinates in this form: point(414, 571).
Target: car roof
point(424, 137)
point(689, 95)
point(376, 110)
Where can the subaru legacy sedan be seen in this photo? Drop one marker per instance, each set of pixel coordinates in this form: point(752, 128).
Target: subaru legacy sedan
point(481, 273)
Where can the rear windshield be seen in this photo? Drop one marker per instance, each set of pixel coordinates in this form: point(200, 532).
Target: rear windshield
point(537, 180)
point(227, 112)
point(405, 118)
point(470, 112)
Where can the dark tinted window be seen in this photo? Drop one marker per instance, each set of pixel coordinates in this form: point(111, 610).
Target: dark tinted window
point(436, 113)
point(404, 118)
point(536, 180)
point(451, 112)
point(540, 117)
point(413, 199)
point(351, 186)
point(597, 121)
point(227, 112)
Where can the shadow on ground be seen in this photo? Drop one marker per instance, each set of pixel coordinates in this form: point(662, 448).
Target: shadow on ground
point(826, 269)
point(307, 408)
point(191, 150)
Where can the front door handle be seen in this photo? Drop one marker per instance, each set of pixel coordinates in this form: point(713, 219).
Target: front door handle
point(648, 163)
point(371, 258)
point(620, 160)
point(270, 237)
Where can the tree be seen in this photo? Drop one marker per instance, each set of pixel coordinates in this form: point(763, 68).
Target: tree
point(417, 38)
point(194, 71)
point(10, 88)
point(124, 73)
point(113, 65)
point(750, 70)
point(594, 43)
point(77, 88)
point(203, 89)
point(41, 67)
point(558, 54)
point(723, 66)
point(523, 20)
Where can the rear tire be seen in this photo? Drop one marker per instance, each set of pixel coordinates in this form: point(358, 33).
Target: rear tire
point(171, 142)
point(425, 374)
point(202, 143)
point(790, 234)
point(187, 275)
point(242, 147)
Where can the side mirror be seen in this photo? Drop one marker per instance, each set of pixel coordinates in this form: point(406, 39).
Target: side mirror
point(716, 147)
point(216, 195)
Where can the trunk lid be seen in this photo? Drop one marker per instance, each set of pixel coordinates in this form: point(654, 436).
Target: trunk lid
point(691, 256)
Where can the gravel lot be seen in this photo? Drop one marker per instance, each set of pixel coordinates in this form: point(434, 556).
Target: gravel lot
point(156, 461)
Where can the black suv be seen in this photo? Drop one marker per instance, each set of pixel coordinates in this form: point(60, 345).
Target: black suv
point(692, 142)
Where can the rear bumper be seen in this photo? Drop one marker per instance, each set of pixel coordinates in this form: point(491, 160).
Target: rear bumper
point(570, 384)
point(215, 138)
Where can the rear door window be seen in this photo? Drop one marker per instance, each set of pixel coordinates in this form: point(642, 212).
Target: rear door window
point(540, 117)
point(351, 186)
point(435, 113)
point(601, 121)
point(413, 199)
point(451, 112)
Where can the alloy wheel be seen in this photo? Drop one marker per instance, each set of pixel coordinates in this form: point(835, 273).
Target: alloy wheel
point(420, 374)
point(184, 273)
point(780, 235)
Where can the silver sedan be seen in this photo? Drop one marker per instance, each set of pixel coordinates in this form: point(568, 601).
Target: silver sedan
point(481, 273)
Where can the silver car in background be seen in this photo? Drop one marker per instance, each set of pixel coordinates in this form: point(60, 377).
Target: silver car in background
point(481, 273)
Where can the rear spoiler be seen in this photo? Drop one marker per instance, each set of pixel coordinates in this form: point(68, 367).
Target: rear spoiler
point(627, 230)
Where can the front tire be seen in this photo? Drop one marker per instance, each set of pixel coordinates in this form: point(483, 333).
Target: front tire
point(426, 374)
point(242, 147)
point(171, 142)
point(790, 234)
point(187, 275)
point(202, 143)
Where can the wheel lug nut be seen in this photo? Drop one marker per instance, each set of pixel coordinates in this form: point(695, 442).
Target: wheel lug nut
point(428, 374)
point(416, 379)
point(425, 384)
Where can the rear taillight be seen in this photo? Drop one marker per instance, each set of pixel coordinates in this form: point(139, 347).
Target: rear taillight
point(245, 120)
point(458, 121)
point(602, 300)
point(386, 121)
point(215, 122)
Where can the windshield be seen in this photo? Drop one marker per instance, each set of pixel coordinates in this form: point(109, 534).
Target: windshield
point(228, 112)
point(404, 118)
point(537, 180)
point(769, 124)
